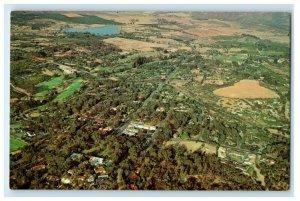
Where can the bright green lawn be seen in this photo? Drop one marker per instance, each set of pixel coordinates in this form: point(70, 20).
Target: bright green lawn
point(48, 85)
point(16, 143)
point(74, 86)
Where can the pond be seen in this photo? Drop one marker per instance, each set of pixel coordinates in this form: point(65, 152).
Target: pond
point(105, 30)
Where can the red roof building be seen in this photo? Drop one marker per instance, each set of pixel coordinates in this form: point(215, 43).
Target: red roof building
point(81, 178)
point(39, 167)
point(133, 187)
point(100, 170)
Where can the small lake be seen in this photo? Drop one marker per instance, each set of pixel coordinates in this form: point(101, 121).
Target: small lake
point(106, 30)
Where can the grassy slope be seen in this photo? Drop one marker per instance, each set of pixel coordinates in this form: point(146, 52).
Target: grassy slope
point(48, 85)
point(74, 86)
point(16, 143)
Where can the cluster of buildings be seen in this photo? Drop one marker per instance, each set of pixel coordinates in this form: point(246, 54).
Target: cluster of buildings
point(134, 127)
point(71, 177)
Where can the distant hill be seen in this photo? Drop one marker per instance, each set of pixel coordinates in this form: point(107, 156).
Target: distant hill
point(279, 21)
point(22, 17)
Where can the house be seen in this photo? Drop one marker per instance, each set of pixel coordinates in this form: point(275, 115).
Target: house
point(160, 109)
point(103, 176)
point(75, 157)
point(281, 60)
point(100, 170)
point(52, 178)
point(113, 108)
point(39, 167)
point(133, 128)
point(70, 172)
point(91, 179)
point(13, 177)
point(95, 161)
point(130, 133)
point(222, 152)
point(30, 135)
point(105, 130)
point(134, 177)
point(138, 170)
point(100, 122)
point(65, 180)
point(143, 126)
point(163, 77)
point(81, 178)
point(133, 187)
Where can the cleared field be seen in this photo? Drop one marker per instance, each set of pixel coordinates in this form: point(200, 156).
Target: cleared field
point(45, 87)
point(246, 89)
point(130, 44)
point(19, 90)
point(74, 86)
point(72, 15)
point(48, 72)
point(205, 29)
point(16, 143)
point(66, 69)
point(178, 83)
point(129, 17)
point(194, 146)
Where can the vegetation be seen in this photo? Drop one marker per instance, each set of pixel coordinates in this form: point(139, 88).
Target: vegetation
point(22, 18)
point(89, 114)
point(74, 86)
point(48, 85)
point(16, 143)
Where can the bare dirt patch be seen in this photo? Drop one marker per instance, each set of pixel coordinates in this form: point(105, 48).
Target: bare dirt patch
point(38, 59)
point(197, 75)
point(130, 44)
point(194, 146)
point(114, 78)
point(20, 90)
point(195, 71)
point(48, 72)
point(82, 49)
point(66, 69)
point(63, 54)
point(129, 17)
point(208, 30)
point(72, 15)
point(246, 89)
point(178, 83)
point(199, 78)
point(167, 41)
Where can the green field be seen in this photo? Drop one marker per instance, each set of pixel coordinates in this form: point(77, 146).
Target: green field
point(74, 86)
point(16, 125)
point(48, 85)
point(16, 143)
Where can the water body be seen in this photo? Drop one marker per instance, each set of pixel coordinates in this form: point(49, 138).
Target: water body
point(105, 30)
